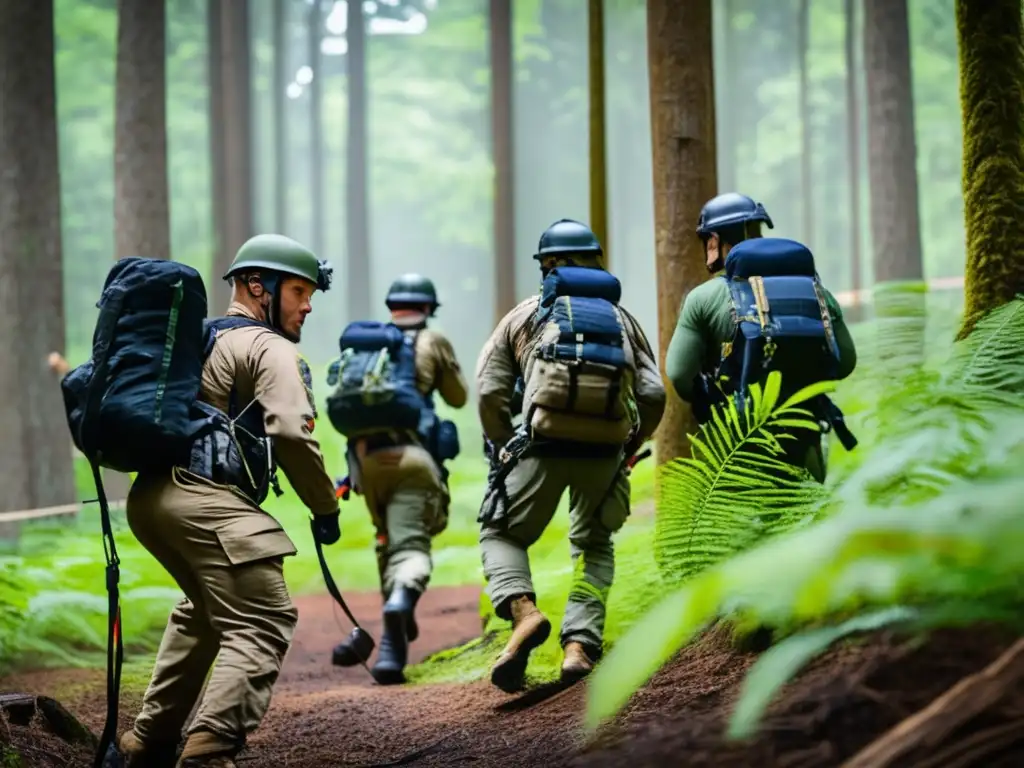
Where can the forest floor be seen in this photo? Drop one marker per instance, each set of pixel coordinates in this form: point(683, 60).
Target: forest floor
point(326, 716)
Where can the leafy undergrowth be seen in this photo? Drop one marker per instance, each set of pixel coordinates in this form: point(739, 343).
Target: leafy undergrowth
point(923, 530)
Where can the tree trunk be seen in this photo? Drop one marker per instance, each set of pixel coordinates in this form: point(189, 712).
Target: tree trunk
point(853, 156)
point(358, 230)
point(597, 142)
point(314, 35)
point(683, 146)
point(892, 148)
point(992, 105)
point(141, 208)
point(280, 101)
point(230, 130)
point(35, 455)
point(503, 153)
point(727, 63)
point(806, 167)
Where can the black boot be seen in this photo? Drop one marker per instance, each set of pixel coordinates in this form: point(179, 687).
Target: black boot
point(344, 655)
point(399, 629)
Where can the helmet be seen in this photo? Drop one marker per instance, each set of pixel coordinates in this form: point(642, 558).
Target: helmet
point(567, 236)
point(729, 209)
point(412, 289)
point(282, 255)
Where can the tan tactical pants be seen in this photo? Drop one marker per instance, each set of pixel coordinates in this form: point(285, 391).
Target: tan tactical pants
point(534, 487)
point(408, 503)
point(237, 616)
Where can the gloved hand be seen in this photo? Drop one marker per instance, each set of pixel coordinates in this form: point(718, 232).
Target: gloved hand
point(326, 528)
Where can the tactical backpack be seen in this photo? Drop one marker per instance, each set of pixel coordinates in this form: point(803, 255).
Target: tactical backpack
point(578, 384)
point(376, 390)
point(781, 319)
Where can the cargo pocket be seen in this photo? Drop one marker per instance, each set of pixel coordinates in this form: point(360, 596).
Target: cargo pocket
point(253, 538)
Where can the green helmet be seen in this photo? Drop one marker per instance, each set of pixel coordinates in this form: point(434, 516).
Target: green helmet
point(283, 255)
point(412, 289)
point(567, 236)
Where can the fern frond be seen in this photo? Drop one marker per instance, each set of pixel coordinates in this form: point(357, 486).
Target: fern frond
point(738, 486)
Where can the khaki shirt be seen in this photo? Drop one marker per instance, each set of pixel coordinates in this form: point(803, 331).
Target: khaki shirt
point(437, 369)
point(264, 365)
point(506, 354)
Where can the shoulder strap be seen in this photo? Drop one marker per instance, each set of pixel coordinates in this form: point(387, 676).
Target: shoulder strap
point(215, 325)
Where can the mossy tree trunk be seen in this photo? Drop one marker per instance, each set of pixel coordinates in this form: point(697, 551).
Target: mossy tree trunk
point(992, 104)
point(683, 144)
point(35, 453)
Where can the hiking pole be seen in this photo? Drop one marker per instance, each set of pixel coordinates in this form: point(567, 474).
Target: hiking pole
point(360, 640)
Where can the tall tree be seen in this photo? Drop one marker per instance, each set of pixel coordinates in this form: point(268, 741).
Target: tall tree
point(280, 101)
point(314, 34)
point(230, 129)
point(35, 455)
point(597, 143)
point(682, 97)
point(853, 150)
point(141, 206)
point(357, 189)
point(806, 164)
point(892, 148)
point(992, 105)
point(503, 153)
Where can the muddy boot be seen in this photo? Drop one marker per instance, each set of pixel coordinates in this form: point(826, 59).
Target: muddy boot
point(577, 664)
point(530, 628)
point(132, 752)
point(394, 643)
point(208, 750)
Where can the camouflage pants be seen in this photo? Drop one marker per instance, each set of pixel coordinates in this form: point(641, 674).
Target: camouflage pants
point(534, 489)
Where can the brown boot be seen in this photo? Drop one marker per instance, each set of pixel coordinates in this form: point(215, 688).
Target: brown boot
point(208, 750)
point(577, 664)
point(137, 754)
point(530, 628)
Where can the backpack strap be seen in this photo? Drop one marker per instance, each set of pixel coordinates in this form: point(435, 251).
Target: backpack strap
point(213, 327)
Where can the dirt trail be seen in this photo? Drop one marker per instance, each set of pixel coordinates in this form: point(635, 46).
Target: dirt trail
point(324, 716)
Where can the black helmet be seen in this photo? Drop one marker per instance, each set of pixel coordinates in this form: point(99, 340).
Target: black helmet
point(567, 236)
point(730, 209)
point(412, 289)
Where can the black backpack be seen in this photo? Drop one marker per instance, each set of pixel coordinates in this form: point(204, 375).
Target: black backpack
point(129, 407)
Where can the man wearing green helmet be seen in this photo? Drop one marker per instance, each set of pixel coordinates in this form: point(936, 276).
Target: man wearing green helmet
point(204, 524)
point(399, 471)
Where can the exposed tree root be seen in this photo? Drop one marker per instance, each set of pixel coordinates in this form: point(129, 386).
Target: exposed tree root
point(929, 727)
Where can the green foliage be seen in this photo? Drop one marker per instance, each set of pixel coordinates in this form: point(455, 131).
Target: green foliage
point(929, 518)
point(738, 486)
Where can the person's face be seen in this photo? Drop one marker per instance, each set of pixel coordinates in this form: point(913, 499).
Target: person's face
point(296, 294)
point(712, 247)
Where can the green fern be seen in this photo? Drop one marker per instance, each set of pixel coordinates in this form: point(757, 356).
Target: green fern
point(737, 487)
point(930, 519)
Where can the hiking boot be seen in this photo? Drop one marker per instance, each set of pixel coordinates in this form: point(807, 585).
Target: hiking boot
point(208, 750)
point(577, 664)
point(530, 628)
point(394, 642)
point(132, 752)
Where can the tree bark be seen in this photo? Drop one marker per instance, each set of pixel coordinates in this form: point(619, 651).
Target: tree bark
point(992, 106)
point(683, 146)
point(503, 153)
point(892, 147)
point(230, 130)
point(280, 101)
point(806, 166)
point(853, 155)
point(597, 142)
point(35, 454)
point(357, 218)
point(141, 207)
point(314, 35)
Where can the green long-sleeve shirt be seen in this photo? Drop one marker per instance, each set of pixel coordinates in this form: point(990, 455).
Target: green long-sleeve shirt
point(705, 323)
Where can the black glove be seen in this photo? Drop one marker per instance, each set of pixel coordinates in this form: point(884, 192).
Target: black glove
point(326, 529)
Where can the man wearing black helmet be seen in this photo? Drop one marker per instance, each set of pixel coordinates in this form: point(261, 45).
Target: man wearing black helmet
point(399, 472)
point(706, 327)
point(592, 394)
